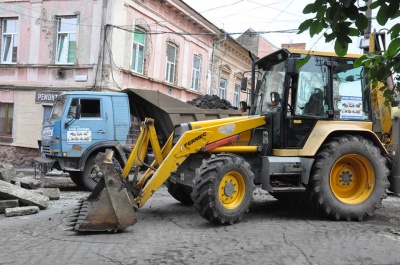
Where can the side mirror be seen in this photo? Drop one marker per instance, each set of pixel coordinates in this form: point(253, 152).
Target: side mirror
point(243, 106)
point(275, 98)
point(292, 68)
point(243, 84)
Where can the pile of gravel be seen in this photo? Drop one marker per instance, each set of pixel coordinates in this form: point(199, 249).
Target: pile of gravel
point(211, 102)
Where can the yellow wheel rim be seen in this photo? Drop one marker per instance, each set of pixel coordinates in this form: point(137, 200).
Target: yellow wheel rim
point(352, 179)
point(231, 190)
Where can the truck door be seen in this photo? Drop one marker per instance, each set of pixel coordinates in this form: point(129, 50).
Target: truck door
point(307, 101)
point(91, 128)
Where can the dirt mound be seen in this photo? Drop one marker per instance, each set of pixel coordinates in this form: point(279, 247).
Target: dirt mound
point(211, 102)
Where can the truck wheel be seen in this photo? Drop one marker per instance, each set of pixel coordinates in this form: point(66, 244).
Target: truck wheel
point(349, 178)
point(89, 174)
point(180, 192)
point(223, 188)
point(76, 177)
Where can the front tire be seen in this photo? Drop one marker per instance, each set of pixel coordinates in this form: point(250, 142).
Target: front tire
point(89, 174)
point(223, 188)
point(349, 178)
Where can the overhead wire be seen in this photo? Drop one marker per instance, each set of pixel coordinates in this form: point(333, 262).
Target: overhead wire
point(278, 14)
point(51, 20)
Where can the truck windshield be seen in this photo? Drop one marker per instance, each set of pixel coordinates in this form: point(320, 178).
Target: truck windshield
point(271, 80)
point(58, 108)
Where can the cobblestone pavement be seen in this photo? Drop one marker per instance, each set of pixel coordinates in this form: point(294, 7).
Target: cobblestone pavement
point(170, 233)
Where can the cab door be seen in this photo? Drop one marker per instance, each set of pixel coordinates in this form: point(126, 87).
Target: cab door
point(307, 101)
point(90, 128)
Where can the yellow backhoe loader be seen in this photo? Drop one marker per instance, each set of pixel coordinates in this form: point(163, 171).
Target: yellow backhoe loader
point(309, 133)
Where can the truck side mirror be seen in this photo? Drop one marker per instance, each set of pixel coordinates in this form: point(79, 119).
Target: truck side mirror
point(243, 84)
point(78, 111)
point(275, 98)
point(291, 67)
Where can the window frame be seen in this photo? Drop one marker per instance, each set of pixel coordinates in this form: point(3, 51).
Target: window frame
point(68, 34)
point(170, 65)
point(136, 51)
point(236, 95)
point(13, 43)
point(6, 119)
point(222, 91)
point(196, 74)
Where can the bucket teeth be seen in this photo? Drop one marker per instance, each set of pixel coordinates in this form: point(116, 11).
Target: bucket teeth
point(74, 215)
point(108, 207)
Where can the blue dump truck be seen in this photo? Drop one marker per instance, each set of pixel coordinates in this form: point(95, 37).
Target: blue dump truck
point(83, 123)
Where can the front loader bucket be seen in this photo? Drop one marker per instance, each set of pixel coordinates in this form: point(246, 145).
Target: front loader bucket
point(109, 207)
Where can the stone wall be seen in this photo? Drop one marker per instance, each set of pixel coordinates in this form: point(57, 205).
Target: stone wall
point(18, 156)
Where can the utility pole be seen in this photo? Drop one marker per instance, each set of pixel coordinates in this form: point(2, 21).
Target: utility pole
point(367, 31)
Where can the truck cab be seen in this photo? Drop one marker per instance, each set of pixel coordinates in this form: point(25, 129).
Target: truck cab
point(81, 125)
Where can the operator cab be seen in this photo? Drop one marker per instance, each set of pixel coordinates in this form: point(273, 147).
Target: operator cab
point(324, 88)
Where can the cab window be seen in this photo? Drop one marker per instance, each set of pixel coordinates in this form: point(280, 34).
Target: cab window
point(349, 89)
point(311, 95)
point(90, 108)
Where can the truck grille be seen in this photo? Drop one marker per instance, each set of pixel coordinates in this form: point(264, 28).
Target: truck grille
point(46, 149)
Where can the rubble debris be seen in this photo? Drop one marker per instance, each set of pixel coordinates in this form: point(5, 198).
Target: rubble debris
point(4, 204)
point(25, 210)
point(52, 193)
point(7, 172)
point(38, 192)
point(211, 102)
point(59, 182)
point(26, 182)
point(25, 197)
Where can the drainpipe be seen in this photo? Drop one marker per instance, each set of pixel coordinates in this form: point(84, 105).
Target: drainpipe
point(212, 63)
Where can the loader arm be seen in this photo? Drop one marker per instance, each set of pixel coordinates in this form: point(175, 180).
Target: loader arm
point(111, 206)
point(206, 137)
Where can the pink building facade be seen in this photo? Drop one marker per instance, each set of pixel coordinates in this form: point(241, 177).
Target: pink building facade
point(48, 47)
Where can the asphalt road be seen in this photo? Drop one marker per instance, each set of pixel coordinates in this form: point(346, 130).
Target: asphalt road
point(170, 233)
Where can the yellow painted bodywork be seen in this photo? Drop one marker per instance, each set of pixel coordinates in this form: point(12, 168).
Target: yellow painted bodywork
point(380, 109)
point(321, 53)
point(322, 130)
point(170, 157)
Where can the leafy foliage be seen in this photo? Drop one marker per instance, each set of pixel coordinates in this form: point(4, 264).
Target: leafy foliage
point(341, 19)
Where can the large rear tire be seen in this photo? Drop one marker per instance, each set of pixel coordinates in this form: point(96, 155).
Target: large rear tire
point(223, 188)
point(349, 178)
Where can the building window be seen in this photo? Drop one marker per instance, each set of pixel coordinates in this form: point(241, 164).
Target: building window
point(6, 118)
point(222, 88)
point(236, 96)
point(171, 62)
point(139, 38)
point(9, 40)
point(196, 72)
point(66, 39)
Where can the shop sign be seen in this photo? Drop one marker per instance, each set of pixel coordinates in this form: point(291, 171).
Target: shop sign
point(46, 96)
